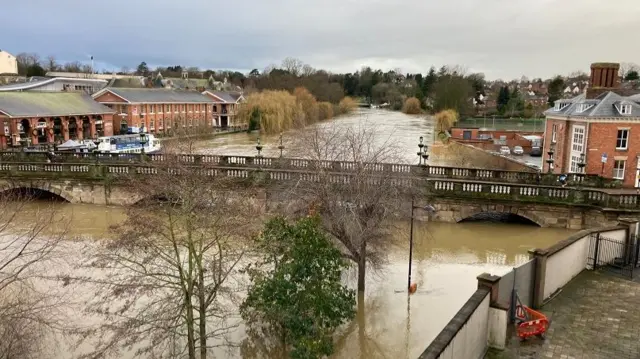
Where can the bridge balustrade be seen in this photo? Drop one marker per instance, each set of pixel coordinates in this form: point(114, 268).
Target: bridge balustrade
point(444, 187)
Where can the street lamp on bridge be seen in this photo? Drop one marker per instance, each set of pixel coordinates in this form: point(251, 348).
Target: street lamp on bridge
point(550, 153)
point(281, 146)
point(259, 148)
point(422, 153)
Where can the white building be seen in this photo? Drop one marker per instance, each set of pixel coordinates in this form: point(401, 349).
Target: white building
point(8, 63)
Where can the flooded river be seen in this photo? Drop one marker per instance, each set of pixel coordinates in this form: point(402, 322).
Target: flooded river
point(446, 260)
point(400, 130)
point(447, 257)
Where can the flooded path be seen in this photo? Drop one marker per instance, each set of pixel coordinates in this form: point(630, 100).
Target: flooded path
point(447, 259)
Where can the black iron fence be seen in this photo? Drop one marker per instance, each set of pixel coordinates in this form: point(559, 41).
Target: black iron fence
point(619, 256)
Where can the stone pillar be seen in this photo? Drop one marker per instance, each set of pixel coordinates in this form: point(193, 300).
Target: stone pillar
point(540, 256)
point(632, 236)
point(65, 129)
point(92, 121)
point(13, 132)
point(80, 128)
point(498, 314)
point(33, 132)
point(486, 280)
point(50, 135)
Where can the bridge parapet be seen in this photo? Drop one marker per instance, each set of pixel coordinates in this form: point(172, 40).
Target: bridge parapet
point(399, 169)
point(266, 176)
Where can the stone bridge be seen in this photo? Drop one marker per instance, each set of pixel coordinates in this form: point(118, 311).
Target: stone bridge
point(456, 193)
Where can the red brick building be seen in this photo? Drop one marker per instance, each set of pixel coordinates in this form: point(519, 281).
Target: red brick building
point(32, 118)
point(158, 110)
point(602, 124)
point(225, 107)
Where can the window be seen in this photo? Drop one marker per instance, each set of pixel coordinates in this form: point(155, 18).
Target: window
point(578, 139)
point(582, 107)
point(143, 109)
point(215, 108)
point(152, 108)
point(625, 109)
point(618, 169)
point(554, 132)
point(160, 123)
point(184, 108)
point(559, 105)
point(167, 108)
point(152, 125)
point(574, 164)
point(622, 140)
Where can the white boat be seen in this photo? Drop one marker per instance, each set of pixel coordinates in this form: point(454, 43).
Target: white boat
point(128, 144)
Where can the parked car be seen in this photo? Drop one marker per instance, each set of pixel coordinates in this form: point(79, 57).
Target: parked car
point(504, 150)
point(536, 151)
point(517, 150)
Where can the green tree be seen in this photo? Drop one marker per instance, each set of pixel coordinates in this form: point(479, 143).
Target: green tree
point(555, 89)
point(142, 69)
point(632, 76)
point(296, 299)
point(453, 91)
point(503, 99)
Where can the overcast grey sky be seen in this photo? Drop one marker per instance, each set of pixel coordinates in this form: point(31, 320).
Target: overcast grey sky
point(502, 38)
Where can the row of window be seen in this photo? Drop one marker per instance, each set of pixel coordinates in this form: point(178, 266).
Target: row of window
point(153, 108)
point(624, 109)
point(622, 138)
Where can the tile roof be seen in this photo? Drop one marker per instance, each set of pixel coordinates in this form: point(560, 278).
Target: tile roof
point(605, 105)
point(48, 104)
point(156, 95)
point(227, 97)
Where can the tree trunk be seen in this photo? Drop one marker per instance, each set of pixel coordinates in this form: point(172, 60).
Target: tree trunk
point(360, 315)
point(362, 260)
point(203, 315)
point(191, 341)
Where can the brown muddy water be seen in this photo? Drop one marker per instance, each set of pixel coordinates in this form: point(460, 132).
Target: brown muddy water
point(446, 260)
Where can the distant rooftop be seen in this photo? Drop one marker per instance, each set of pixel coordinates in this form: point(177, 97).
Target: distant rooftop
point(155, 95)
point(49, 104)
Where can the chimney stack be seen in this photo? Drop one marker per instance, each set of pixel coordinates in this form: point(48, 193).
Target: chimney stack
point(604, 77)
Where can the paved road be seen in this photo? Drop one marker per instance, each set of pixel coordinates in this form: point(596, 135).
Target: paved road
point(596, 316)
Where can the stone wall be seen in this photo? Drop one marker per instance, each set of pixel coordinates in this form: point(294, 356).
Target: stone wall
point(462, 155)
point(556, 216)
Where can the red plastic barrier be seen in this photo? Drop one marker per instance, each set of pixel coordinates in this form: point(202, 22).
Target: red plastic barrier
point(536, 324)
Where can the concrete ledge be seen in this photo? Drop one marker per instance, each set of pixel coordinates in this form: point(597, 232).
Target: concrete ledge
point(574, 238)
point(442, 341)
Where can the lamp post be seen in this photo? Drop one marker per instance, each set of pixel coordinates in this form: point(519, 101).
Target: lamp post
point(259, 147)
point(581, 171)
point(281, 146)
point(420, 146)
point(429, 208)
point(550, 153)
point(143, 142)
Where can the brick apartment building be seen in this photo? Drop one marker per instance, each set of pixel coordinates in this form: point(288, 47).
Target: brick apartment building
point(225, 107)
point(157, 110)
point(32, 118)
point(602, 124)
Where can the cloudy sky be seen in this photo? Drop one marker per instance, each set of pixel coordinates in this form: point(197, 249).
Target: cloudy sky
point(502, 38)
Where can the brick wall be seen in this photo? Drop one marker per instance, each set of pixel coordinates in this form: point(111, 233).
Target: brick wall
point(602, 139)
point(562, 141)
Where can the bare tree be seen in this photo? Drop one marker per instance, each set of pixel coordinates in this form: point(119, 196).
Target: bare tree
point(28, 245)
point(355, 207)
point(52, 64)
point(166, 284)
point(626, 67)
point(308, 70)
point(292, 65)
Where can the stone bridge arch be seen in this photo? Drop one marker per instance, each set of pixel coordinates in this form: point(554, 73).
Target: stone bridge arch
point(513, 210)
point(51, 187)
